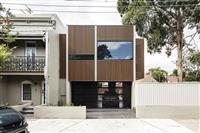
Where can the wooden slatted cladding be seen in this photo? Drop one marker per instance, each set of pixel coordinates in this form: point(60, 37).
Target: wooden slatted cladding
point(139, 59)
point(81, 70)
point(81, 39)
point(62, 49)
point(115, 70)
point(116, 33)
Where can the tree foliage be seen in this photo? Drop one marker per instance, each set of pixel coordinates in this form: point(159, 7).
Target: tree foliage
point(158, 74)
point(195, 59)
point(5, 54)
point(191, 71)
point(162, 23)
point(6, 38)
point(192, 67)
point(6, 25)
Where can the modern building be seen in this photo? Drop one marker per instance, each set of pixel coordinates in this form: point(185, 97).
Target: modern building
point(103, 62)
point(92, 65)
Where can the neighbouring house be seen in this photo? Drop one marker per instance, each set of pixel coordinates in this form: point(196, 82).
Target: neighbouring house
point(91, 65)
point(22, 79)
point(147, 78)
point(172, 79)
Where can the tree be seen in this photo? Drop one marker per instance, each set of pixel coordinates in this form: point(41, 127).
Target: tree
point(162, 23)
point(195, 60)
point(174, 72)
point(158, 74)
point(5, 54)
point(192, 69)
point(6, 38)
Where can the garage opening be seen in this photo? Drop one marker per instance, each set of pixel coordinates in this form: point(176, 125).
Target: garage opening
point(102, 94)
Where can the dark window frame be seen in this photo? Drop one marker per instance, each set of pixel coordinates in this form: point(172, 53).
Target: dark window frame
point(129, 41)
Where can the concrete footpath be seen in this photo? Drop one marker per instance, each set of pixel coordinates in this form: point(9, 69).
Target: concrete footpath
point(106, 125)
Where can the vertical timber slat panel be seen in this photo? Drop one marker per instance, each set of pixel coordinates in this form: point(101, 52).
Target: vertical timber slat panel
point(81, 70)
point(139, 59)
point(121, 70)
point(62, 42)
point(81, 39)
point(116, 33)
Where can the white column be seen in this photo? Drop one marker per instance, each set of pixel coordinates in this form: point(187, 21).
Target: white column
point(134, 53)
point(53, 67)
point(133, 91)
point(46, 69)
point(68, 86)
point(95, 53)
point(198, 92)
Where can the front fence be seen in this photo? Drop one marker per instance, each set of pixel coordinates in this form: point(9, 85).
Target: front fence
point(167, 94)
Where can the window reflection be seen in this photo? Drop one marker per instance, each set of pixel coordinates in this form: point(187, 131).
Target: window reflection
point(114, 50)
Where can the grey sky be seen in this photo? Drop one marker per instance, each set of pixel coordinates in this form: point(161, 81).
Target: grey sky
point(156, 60)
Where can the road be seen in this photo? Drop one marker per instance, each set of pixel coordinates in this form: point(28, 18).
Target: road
point(106, 125)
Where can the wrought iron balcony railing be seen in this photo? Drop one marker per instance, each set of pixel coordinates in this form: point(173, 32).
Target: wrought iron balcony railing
point(24, 64)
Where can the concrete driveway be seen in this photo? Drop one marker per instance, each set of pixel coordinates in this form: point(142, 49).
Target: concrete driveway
point(106, 125)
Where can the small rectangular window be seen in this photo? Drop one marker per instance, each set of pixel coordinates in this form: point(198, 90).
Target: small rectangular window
point(81, 57)
point(27, 92)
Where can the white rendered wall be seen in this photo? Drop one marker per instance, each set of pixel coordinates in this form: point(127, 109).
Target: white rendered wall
point(53, 68)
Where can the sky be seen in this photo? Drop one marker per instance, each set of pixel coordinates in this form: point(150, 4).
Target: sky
point(109, 17)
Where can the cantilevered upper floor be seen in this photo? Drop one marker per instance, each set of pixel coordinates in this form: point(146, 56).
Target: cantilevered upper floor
point(101, 53)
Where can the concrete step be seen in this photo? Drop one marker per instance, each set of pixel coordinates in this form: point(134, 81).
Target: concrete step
point(110, 113)
point(28, 108)
point(28, 115)
point(110, 110)
point(27, 112)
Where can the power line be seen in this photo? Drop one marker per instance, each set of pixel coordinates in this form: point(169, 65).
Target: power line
point(86, 6)
point(90, 1)
point(106, 1)
point(66, 11)
point(122, 1)
point(53, 5)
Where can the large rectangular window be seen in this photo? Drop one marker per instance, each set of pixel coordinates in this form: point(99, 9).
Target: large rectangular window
point(114, 50)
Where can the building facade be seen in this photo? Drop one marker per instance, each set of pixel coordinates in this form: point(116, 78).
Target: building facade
point(22, 77)
point(102, 64)
point(89, 65)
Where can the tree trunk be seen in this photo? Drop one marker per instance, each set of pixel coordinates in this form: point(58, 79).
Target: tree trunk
point(179, 42)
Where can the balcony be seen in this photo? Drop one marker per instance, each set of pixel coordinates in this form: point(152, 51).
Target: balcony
point(24, 64)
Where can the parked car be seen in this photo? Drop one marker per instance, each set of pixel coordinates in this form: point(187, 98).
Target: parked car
point(12, 121)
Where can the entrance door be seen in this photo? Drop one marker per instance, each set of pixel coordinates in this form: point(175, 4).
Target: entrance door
point(30, 54)
point(26, 92)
